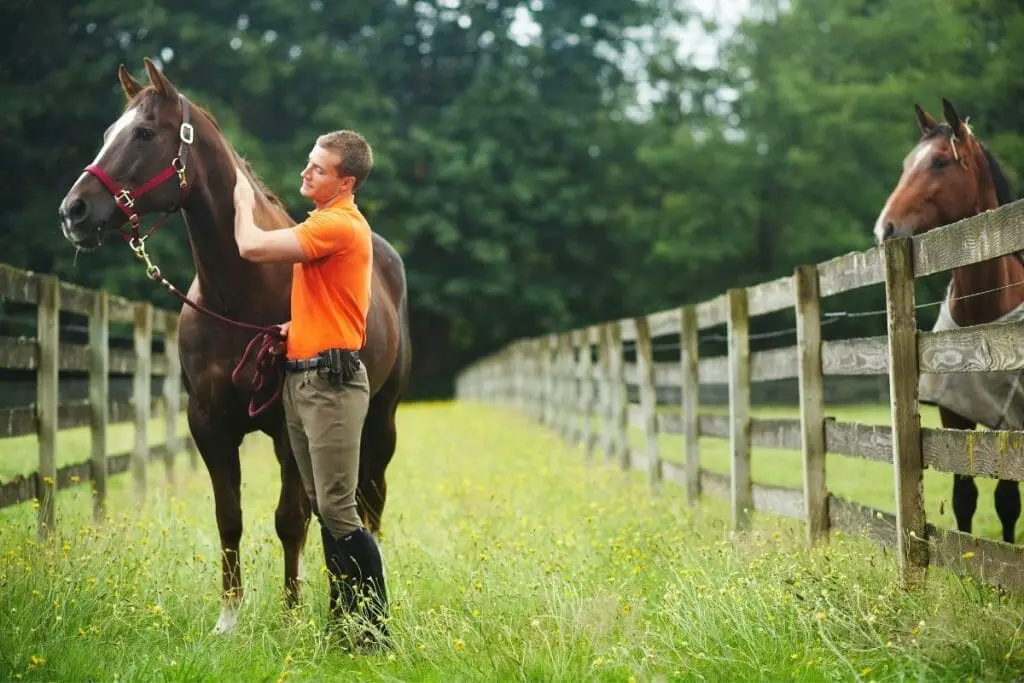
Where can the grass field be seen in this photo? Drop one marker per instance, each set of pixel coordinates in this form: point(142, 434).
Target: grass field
point(507, 559)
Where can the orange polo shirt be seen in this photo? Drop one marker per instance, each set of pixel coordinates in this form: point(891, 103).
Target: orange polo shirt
point(331, 291)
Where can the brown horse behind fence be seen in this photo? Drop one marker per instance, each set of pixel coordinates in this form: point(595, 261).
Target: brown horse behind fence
point(948, 176)
point(165, 154)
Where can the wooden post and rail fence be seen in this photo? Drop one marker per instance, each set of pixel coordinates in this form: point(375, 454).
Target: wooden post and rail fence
point(48, 357)
point(570, 380)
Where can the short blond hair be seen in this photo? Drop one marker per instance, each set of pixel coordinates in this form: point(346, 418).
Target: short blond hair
point(354, 150)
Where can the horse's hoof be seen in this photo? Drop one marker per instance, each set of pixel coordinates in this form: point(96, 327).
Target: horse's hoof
point(227, 622)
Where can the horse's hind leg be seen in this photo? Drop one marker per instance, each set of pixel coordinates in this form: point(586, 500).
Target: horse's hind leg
point(291, 518)
point(965, 491)
point(377, 447)
point(1008, 507)
point(219, 449)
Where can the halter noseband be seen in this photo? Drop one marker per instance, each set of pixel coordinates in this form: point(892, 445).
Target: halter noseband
point(126, 199)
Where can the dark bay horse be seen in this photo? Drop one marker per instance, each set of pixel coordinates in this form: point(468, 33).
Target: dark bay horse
point(948, 176)
point(165, 154)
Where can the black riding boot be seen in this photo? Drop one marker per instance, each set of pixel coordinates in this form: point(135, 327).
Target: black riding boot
point(356, 577)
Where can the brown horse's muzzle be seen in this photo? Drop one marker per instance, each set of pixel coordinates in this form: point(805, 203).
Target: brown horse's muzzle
point(87, 213)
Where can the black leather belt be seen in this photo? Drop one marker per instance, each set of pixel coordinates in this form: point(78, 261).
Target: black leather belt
point(322, 361)
point(302, 364)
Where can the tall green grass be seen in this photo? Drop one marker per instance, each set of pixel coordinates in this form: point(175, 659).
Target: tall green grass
point(507, 559)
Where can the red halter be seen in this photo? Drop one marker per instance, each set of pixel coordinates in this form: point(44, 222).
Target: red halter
point(125, 198)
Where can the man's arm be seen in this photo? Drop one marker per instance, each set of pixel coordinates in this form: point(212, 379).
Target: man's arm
point(254, 244)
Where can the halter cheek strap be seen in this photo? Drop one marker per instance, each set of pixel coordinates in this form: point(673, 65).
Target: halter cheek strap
point(126, 199)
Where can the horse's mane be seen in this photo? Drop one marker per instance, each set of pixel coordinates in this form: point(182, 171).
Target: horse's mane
point(236, 158)
point(1005, 193)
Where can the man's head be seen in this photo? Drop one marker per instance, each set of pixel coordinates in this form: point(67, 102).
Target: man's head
point(338, 165)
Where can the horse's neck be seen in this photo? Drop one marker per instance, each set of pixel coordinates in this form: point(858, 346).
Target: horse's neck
point(988, 286)
point(229, 284)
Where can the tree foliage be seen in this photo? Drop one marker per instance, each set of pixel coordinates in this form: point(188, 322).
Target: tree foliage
point(512, 171)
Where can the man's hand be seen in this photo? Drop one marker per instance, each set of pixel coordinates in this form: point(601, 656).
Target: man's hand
point(280, 347)
point(254, 243)
point(244, 195)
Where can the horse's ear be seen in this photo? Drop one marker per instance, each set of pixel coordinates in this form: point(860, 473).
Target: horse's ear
point(160, 82)
point(130, 86)
point(925, 120)
point(953, 119)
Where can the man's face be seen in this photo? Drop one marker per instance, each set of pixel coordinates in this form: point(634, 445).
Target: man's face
point(320, 179)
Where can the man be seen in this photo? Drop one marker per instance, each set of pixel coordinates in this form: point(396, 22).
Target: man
point(326, 390)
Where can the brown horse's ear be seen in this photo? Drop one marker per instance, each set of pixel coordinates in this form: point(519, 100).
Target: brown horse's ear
point(129, 85)
point(925, 120)
point(160, 82)
point(953, 119)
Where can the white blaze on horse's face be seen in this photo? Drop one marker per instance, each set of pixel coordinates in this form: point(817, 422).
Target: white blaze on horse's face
point(114, 132)
point(916, 162)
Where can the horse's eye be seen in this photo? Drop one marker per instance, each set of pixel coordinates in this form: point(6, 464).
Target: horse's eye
point(143, 134)
point(940, 162)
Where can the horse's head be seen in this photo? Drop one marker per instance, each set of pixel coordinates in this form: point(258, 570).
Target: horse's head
point(141, 167)
point(946, 177)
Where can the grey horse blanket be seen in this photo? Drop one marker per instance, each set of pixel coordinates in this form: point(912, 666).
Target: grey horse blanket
point(992, 399)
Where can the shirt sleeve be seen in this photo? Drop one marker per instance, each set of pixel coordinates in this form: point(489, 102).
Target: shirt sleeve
point(325, 233)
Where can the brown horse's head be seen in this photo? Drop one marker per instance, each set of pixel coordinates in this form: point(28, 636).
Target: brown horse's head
point(948, 176)
point(141, 168)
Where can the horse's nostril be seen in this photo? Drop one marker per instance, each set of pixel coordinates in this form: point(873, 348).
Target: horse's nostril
point(78, 210)
point(890, 228)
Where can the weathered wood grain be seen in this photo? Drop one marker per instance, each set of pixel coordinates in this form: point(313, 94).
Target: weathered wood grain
point(75, 299)
point(775, 433)
point(690, 427)
point(971, 240)
point(714, 426)
point(774, 364)
point(739, 408)
point(851, 271)
point(713, 370)
point(769, 297)
point(779, 500)
point(99, 398)
point(812, 401)
point(979, 453)
point(19, 286)
point(713, 312)
point(18, 353)
point(860, 520)
point(858, 356)
point(901, 324)
point(649, 404)
point(989, 562)
point(47, 398)
point(982, 348)
point(870, 442)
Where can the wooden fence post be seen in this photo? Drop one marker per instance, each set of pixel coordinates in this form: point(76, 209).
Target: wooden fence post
point(47, 374)
point(606, 400)
point(143, 334)
point(172, 392)
point(567, 395)
point(742, 493)
point(99, 397)
point(907, 459)
point(812, 401)
point(550, 344)
point(648, 401)
point(690, 387)
point(620, 404)
point(588, 401)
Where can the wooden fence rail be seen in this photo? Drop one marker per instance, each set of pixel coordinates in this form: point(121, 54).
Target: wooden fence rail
point(48, 357)
point(568, 380)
